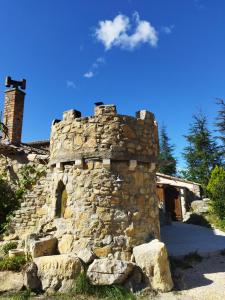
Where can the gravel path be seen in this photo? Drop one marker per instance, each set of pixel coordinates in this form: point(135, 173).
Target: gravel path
point(205, 281)
point(181, 239)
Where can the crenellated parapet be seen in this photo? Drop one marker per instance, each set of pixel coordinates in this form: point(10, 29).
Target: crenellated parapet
point(106, 135)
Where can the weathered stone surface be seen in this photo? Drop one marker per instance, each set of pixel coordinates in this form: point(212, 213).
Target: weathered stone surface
point(11, 281)
point(42, 247)
point(30, 278)
point(107, 271)
point(200, 207)
point(152, 258)
point(16, 252)
point(86, 255)
point(65, 245)
point(57, 272)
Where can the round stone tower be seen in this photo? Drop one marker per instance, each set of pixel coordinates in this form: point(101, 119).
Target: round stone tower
point(103, 187)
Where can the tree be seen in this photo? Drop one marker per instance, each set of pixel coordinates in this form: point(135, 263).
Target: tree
point(167, 163)
point(216, 191)
point(220, 124)
point(202, 153)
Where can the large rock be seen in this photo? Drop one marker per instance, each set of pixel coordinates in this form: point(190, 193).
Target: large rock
point(107, 271)
point(86, 255)
point(200, 207)
point(58, 272)
point(65, 245)
point(30, 277)
point(11, 281)
point(152, 258)
point(41, 247)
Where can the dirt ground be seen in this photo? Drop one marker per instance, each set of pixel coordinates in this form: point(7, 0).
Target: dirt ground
point(204, 281)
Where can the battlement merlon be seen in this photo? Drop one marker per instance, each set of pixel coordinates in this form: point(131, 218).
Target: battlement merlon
point(106, 135)
point(109, 110)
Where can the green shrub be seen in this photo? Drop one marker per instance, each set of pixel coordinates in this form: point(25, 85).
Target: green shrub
point(216, 191)
point(8, 202)
point(12, 263)
point(9, 246)
point(82, 286)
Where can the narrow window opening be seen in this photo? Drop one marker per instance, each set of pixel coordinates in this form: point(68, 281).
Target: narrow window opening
point(61, 200)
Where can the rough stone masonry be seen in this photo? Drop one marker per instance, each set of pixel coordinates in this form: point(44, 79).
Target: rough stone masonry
point(103, 185)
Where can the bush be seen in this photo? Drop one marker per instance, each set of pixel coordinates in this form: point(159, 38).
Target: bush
point(13, 263)
point(9, 246)
point(8, 202)
point(216, 191)
point(82, 286)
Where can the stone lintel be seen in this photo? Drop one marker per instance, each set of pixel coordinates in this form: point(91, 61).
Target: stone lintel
point(59, 166)
point(106, 163)
point(79, 163)
point(132, 165)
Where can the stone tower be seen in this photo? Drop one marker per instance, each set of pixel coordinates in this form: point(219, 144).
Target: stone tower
point(13, 111)
point(103, 186)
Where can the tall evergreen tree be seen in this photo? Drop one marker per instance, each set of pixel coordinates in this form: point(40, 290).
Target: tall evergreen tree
point(202, 153)
point(220, 124)
point(167, 162)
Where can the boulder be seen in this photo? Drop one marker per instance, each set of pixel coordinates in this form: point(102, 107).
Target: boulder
point(16, 252)
point(11, 281)
point(200, 207)
point(41, 247)
point(66, 244)
point(30, 277)
point(152, 258)
point(86, 255)
point(57, 272)
point(108, 271)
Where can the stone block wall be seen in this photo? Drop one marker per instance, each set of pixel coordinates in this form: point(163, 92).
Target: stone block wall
point(32, 205)
point(106, 165)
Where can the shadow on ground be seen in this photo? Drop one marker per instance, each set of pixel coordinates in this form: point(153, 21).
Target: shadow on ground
point(196, 276)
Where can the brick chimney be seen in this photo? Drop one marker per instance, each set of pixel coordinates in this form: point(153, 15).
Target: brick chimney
point(13, 111)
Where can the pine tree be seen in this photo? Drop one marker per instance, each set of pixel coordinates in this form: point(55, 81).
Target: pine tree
point(167, 163)
point(220, 124)
point(202, 153)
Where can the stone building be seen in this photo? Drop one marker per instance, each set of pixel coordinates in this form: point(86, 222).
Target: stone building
point(99, 185)
point(176, 195)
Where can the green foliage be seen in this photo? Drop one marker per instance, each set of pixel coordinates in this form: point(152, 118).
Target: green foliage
point(8, 202)
point(9, 246)
point(220, 123)
point(216, 191)
point(82, 286)
point(167, 163)
point(12, 263)
point(28, 176)
point(21, 295)
point(202, 153)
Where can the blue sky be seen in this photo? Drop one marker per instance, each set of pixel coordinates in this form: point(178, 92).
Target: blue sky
point(166, 56)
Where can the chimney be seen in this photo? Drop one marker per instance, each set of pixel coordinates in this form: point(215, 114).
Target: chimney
point(13, 111)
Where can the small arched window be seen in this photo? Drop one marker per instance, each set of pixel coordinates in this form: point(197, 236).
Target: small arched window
point(61, 200)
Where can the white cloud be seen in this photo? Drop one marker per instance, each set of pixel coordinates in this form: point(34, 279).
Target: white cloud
point(92, 71)
point(89, 74)
point(117, 32)
point(99, 61)
point(70, 84)
point(168, 29)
